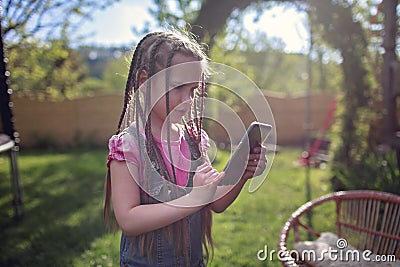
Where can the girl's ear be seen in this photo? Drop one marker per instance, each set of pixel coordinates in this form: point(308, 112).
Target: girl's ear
point(142, 77)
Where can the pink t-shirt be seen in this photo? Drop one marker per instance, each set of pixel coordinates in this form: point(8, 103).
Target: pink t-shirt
point(124, 147)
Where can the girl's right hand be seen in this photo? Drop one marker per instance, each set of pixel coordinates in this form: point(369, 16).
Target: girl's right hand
point(205, 181)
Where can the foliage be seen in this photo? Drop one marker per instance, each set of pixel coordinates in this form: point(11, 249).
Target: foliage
point(177, 13)
point(47, 19)
point(51, 69)
point(258, 56)
point(374, 171)
point(37, 37)
point(63, 225)
point(263, 60)
point(112, 79)
point(115, 74)
point(91, 86)
point(108, 69)
point(357, 162)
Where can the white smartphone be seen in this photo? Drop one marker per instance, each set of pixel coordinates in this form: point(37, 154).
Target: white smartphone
point(255, 136)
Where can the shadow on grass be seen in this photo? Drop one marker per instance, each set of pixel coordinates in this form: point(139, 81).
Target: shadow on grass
point(63, 197)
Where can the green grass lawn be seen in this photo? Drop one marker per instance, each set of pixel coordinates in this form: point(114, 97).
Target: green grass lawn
point(63, 223)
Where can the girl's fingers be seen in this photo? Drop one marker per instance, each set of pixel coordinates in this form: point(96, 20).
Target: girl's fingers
point(254, 156)
point(217, 177)
point(257, 150)
point(205, 167)
point(214, 176)
point(220, 176)
point(251, 168)
point(212, 173)
point(257, 167)
point(253, 162)
point(206, 174)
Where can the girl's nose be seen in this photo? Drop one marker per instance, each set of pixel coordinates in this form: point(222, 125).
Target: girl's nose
point(187, 95)
point(186, 100)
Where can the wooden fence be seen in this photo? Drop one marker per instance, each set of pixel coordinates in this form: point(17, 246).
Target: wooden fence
point(93, 120)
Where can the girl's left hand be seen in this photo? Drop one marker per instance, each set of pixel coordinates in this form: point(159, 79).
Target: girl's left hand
point(256, 164)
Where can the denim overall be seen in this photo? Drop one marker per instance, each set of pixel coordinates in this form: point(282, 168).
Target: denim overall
point(163, 251)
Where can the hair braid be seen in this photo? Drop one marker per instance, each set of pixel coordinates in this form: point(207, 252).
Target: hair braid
point(131, 78)
point(147, 108)
point(169, 59)
point(181, 226)
point(150, 142)
point(131, 81)
point(127, 97)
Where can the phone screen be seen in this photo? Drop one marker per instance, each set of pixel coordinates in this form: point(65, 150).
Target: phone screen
point(255, 136)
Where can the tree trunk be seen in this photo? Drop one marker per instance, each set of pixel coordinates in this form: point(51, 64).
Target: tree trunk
point(389, 59)
point(213, 15)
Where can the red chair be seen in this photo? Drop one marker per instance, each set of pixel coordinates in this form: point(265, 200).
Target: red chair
point(368, 220)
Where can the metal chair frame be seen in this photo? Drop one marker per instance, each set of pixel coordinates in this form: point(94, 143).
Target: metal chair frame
point(370, 219)
point(12, 149)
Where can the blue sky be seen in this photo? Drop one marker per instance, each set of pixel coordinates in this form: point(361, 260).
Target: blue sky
point(113, 26)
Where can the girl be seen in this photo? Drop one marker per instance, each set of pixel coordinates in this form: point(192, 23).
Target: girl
point(160, 180)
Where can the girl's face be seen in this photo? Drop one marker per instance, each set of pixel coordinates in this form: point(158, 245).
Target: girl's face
point(184, 77)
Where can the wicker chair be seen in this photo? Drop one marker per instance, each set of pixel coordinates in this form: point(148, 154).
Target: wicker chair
point(369, 220)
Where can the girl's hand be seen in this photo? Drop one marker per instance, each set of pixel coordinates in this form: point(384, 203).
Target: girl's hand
point(205, 182)
point(256, 164)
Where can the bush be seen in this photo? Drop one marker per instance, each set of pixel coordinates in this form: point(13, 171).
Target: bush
point(374, 171)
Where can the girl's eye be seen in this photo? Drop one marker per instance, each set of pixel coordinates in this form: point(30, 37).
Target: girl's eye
point(177, 87)
point(192, 89)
